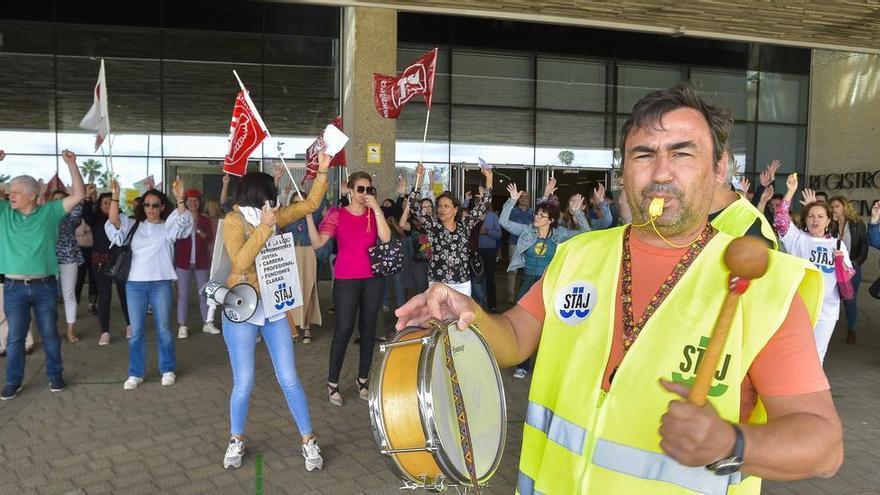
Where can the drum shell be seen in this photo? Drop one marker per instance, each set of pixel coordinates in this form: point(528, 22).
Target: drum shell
point(402, 410)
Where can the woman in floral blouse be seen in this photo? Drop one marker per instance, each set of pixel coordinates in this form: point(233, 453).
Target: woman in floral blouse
point(449, 233)
point(69, 258)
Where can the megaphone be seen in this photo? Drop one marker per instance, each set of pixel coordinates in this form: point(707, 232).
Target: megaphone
point(239, 302)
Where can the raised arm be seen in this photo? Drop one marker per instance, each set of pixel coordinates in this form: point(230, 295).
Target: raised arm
point(224, 191)
point(179, 223)
point(514, 228)
point(113, 214)
point(781, 217)
point(294, 212)
point(483, 205)
point(403, 223)
point(78, 189)
point(575, 205)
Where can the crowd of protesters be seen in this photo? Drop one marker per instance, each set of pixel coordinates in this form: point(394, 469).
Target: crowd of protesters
point(57, 242)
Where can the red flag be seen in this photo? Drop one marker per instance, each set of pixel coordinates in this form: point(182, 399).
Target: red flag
point(391, 93)
point(312, 153)
point(246, 132)
point(53, 185)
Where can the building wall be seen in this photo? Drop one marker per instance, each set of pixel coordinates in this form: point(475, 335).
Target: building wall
point(843, 150)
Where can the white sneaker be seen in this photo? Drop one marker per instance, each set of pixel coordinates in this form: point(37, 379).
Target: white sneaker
point(168, 378)
point(234, 453)
point(210, 328)
point(520, 374)
point(182, 332)
point(132, 383)
point(312, 453)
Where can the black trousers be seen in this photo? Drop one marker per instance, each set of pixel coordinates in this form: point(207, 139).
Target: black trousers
point(350, 297)
point(489, 261)
point(105, 286)
point(85, 270)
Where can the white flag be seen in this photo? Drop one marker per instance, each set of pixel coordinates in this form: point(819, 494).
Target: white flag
point(98, 118)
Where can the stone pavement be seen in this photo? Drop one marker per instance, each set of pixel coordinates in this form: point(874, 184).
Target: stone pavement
point(97, 438)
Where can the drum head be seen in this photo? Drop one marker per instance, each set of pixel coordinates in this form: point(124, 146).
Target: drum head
point(483, 395)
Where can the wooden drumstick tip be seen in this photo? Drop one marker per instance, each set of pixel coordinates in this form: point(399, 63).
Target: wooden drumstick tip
point(747, 257)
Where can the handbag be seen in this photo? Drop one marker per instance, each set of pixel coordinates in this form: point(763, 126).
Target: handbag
point(386, 258)
point(120, 259)
point(844, 275)
point(478, 269)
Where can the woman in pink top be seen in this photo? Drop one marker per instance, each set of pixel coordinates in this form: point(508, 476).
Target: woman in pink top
point(356, 228)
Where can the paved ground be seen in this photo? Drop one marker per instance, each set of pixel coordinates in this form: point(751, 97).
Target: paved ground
point(96, 438)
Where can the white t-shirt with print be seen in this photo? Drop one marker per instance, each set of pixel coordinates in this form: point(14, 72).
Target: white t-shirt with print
point(820, 252)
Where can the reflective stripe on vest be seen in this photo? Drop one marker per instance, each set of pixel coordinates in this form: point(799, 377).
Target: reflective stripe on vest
point(557, 429)
point(659, 467)
point(525, 485)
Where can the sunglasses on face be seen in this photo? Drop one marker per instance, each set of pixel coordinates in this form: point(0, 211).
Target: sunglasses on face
point(152, 205)
point(368, 189)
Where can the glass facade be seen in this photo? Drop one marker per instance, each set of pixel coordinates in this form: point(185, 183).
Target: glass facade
point(518, 95)
point(169, 77)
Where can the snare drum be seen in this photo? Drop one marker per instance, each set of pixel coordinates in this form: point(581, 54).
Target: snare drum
point(413, 414)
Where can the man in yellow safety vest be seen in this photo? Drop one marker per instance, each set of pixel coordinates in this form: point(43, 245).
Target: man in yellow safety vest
point(623, 317)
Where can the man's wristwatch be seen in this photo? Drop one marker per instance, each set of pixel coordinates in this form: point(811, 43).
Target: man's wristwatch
point(731, 464)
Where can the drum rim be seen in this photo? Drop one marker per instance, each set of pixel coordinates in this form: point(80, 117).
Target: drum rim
point(431, 430)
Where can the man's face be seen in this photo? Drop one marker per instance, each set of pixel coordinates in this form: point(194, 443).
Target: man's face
point(674, 163)
point(20, 197)
point(523, 200)
point(822, 198)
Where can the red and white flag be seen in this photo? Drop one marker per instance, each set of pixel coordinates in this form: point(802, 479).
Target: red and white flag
point(246, 132)
point(145, 184)
point(391, 93)
point(98, 117)
point(321, 144)
point(53, 185)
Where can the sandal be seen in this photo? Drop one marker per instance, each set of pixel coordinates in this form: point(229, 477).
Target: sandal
point(334, 391)
point(72, 338)
point(307, 337)
point(363, 389)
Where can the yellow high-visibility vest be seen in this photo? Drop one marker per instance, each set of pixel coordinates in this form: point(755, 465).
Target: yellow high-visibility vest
point(578, 439)
point(739, 216)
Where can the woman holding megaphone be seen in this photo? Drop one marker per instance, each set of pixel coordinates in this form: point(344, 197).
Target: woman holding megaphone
point(254, 219)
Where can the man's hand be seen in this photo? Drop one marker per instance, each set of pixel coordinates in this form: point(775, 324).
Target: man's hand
point(692, 435)
point(791, 182)
point(598, 195)
point(746, 184)
point(277, 173)
point(513, 191)
point(550, 188)
point(575, 203)
point(69, 157)
point(439, 301)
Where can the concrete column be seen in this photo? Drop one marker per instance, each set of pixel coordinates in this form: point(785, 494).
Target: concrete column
point(844, 128)
point(369, 44)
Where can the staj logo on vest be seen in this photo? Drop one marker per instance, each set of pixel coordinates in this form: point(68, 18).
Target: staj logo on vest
point(691, 362)
point(575, 302)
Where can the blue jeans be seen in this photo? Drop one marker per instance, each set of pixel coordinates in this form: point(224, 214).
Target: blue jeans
point(156, 294)
point(851, 307)
point(241, 338)
point(18, 299)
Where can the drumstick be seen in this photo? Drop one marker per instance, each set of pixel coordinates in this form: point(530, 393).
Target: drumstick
point(746, 258)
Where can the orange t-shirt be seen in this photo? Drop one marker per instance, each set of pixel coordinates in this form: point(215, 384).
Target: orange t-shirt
point(788, 364)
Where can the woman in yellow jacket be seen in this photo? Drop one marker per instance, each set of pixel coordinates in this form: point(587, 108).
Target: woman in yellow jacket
point(245, 231)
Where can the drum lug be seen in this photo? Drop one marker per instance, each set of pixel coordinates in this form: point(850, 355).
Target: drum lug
point(422, 341)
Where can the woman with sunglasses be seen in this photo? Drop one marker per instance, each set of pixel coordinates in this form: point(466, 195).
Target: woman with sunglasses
point(355, 228)
point(155, 228)
point(449, 233)
point(255, 218)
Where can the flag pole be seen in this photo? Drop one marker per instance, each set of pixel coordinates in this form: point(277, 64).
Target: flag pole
point(239, 80)
point(289, 174)
point(425, 136)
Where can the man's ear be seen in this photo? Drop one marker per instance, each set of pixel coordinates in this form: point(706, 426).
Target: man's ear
point(721, 167)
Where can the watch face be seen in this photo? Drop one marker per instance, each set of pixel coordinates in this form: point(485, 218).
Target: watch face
point(727, 466)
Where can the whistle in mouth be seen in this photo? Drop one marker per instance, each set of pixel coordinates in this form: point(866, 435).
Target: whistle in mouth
point(656, 208)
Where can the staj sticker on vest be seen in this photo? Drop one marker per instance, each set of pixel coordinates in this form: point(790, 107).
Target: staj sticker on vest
point(575, 302)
